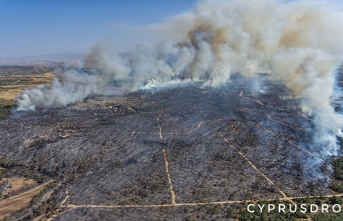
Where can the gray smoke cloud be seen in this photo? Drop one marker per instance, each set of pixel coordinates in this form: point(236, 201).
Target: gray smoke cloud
point(297, 42)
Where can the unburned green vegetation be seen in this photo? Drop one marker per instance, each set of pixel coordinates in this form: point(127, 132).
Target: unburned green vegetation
point(337, 183)
point(5, 108)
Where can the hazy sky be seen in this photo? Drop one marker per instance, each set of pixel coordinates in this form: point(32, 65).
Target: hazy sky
point(37, 27)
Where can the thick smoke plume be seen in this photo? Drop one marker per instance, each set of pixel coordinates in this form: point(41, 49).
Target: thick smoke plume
point(297, 42)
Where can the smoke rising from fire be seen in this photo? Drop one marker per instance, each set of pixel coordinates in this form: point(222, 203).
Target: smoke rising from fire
point(298, 42)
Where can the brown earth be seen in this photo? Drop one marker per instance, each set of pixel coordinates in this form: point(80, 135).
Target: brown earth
point(18, 184)
point(15, 203)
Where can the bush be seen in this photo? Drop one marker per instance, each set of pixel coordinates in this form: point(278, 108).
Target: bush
point(337, 186)
point(337, 164)
point(336, 200)
point(5, 108)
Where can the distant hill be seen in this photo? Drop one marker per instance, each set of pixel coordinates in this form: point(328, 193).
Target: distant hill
point(47, 60)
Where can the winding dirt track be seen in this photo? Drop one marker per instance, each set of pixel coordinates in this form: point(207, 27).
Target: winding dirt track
point(173, 196)
point(173, 203)
point(193, 204)
point(158, 121)
point(65, 207)
point(284, 124)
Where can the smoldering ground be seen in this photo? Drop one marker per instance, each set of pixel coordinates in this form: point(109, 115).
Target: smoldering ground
point(298, 43)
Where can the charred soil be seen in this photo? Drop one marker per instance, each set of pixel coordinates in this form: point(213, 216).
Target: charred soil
point(178, 153)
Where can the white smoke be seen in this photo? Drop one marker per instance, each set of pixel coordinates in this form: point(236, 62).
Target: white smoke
point(297, 42)
point(73, 86)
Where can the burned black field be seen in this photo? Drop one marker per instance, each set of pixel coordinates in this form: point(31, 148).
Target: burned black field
point(181, 153)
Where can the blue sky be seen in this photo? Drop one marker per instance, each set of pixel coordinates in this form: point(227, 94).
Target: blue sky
point(40, 27)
